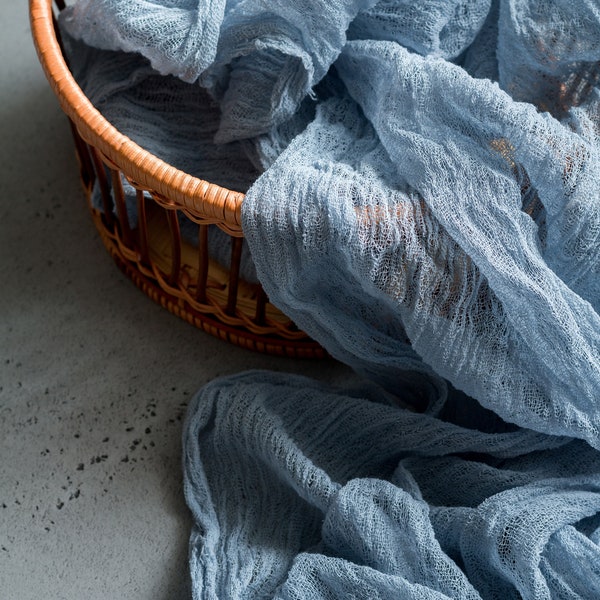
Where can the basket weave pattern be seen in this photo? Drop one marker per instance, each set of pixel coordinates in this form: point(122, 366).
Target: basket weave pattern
point(176, 274)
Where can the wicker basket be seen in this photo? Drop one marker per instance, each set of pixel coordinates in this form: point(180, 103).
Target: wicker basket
point(176, 274)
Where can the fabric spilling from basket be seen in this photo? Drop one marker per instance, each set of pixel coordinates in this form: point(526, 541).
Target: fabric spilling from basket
point(422, 211)
point(423, 198)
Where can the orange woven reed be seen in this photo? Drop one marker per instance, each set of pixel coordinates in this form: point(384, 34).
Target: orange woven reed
point(177, 275)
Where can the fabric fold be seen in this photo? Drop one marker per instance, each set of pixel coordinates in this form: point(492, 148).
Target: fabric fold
point(301, 490)
point(423, 199)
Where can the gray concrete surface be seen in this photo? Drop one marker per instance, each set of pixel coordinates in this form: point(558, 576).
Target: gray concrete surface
point(94, 377)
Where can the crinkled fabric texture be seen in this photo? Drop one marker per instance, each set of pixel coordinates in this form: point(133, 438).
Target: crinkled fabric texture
point(259, 61)
point(473, 219)
point(179, 37)
point(302, 491)
point(429, 211)
point(442, 28)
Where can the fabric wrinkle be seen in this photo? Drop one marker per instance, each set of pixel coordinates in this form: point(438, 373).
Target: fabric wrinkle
point(422, 189)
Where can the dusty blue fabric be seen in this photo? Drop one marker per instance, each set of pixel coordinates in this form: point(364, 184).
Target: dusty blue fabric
point(299, 491)
point(426, 204)
point(474, 218)
point(259, 61)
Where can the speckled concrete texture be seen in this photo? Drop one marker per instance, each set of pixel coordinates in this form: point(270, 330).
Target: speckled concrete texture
point(94, 377)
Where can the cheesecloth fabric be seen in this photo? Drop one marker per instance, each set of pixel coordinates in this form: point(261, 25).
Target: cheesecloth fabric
point(302, 491)
point(428, 208)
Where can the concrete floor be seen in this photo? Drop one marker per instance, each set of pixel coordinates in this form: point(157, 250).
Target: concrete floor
point(94, 377)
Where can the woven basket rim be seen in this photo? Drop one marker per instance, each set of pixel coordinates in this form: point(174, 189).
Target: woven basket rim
point(207, 200)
